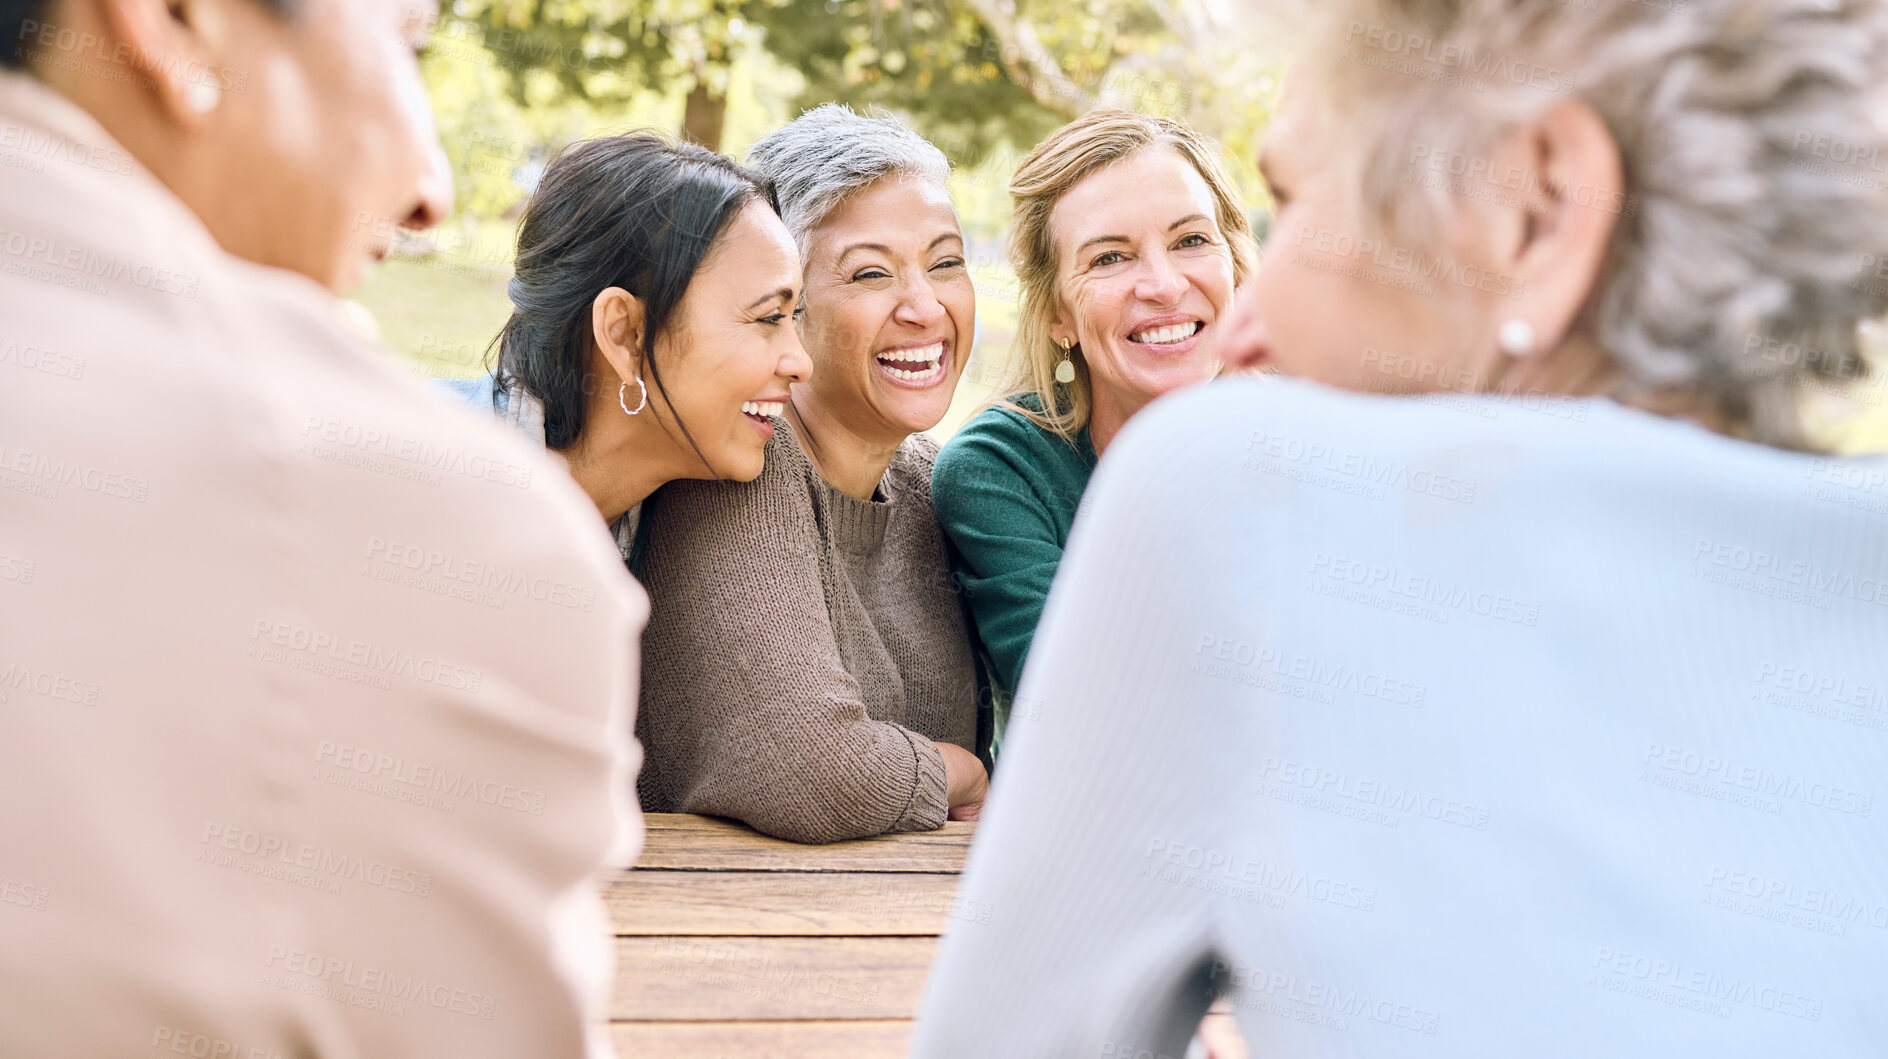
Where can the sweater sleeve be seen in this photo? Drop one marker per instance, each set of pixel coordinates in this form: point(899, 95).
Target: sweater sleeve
point(749, 710)
point(1071, 940)
point(1005, 535)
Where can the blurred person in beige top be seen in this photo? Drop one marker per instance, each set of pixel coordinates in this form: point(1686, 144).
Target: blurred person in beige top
point(315, 692)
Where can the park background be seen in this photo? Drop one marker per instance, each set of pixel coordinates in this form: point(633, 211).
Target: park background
point(514, 81)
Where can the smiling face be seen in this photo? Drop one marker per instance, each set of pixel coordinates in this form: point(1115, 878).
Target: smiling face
point(1143, 272)
point(375, 111)
point(890, 309)
point(731, 350)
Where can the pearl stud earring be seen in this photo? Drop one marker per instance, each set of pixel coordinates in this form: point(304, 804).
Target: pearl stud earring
point(201, 97)
point(1516, 338)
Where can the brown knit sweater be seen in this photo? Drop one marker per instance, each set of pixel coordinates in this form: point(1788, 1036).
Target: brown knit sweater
point(804, 648)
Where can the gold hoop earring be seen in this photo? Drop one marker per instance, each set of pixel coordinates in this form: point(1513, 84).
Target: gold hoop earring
point(1065, 370)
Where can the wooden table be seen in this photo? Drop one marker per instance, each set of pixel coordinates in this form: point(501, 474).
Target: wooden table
point(733, 945)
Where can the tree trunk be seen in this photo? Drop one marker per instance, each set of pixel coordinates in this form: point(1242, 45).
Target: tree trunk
point(702, 115)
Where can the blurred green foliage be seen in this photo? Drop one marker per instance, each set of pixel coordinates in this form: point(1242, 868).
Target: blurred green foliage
point(514, 81)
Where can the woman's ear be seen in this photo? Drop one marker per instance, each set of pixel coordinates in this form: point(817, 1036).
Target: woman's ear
point(174, 50)
point(1062, 328)
point(616, 326)
point(1556, 245)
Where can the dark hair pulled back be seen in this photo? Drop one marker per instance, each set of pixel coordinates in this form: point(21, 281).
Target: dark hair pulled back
point(636, 211)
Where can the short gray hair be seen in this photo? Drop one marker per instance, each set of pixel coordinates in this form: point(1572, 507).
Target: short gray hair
point(820, 158)
point(1753, 155)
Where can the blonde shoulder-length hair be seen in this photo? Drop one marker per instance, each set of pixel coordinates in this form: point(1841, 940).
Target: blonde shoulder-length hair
point(1091, 142)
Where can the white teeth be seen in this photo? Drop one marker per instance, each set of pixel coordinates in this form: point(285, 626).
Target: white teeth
point(931, 357)
point(922, 355)
point(926, 375)
point(1161, 336)
point(764, 408)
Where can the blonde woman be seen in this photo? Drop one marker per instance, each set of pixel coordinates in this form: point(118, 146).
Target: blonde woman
point(1128, 238)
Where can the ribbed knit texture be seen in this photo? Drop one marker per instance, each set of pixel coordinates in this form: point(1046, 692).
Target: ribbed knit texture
point(804, 650)
point(1006, 492)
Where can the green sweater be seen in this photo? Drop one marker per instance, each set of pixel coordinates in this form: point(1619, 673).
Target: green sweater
point(1006, 491)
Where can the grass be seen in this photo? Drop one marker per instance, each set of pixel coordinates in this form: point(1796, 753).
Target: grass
point(437, 316)
point(441, 311)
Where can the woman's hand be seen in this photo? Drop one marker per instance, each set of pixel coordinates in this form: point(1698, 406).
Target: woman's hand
point(965, 781)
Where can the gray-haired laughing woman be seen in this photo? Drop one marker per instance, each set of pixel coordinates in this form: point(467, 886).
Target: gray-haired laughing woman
point(809, 668)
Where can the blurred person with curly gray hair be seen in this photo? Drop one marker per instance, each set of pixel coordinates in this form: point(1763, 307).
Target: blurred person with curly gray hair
point(852, 706)
point(1497, 686)
point(1677, 205)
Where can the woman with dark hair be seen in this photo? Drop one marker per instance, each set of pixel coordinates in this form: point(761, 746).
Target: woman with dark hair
point(845, 699)
point(1128, 237)
point(651, 335)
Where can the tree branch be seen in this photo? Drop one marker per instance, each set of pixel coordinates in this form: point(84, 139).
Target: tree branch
point(1028, 62)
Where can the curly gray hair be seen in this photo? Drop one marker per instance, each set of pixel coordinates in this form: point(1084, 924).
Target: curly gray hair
point(1755, 164)
point(820, 158)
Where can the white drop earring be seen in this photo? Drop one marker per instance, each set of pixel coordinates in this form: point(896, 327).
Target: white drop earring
point(1516, 338)
point(201, 97)
point(1065, 369)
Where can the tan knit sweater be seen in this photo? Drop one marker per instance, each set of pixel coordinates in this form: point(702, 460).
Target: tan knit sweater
point(804, 648)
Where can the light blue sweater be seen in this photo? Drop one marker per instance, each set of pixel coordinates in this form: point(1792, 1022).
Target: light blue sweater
point(1441, 728)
